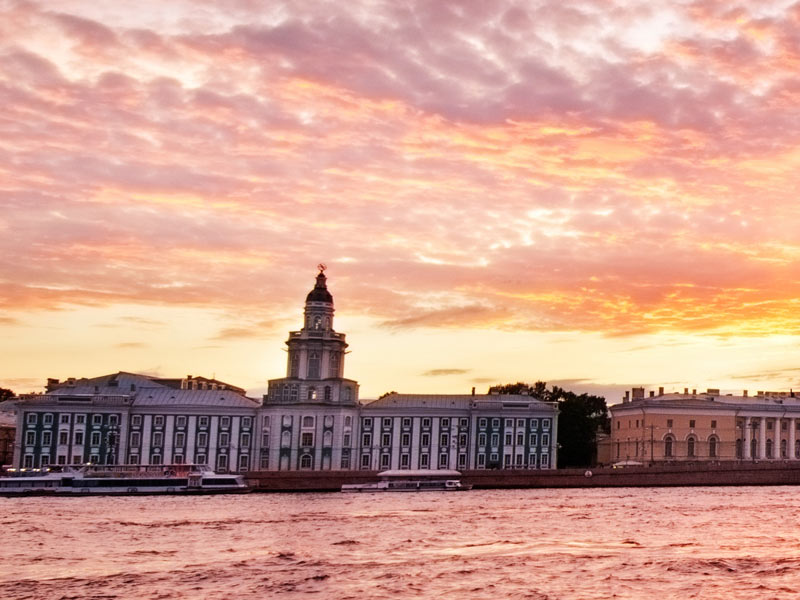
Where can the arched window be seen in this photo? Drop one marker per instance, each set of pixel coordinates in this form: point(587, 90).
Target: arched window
point(712, 446)
point(305, 461)
point(317, 322)
point(690, 447)
point(334, 365)
point(327, 439)
point(783, 448)
point(313, 365)
point(294, 393)
point(294, 361)
point(739, 448)
point(769, 448)
point(327, 392)
point(668, 441)
point(312, 393)
point(754, 448)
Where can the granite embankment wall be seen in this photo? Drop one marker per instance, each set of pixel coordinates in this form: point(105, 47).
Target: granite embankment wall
point(735, 473)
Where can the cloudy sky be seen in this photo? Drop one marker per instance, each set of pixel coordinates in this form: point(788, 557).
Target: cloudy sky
point(602, 194)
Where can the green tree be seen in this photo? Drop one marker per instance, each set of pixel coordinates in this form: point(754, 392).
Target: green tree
point(6, 394)
point(580, 418)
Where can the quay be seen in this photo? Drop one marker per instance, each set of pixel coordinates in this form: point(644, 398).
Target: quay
point(670, 475)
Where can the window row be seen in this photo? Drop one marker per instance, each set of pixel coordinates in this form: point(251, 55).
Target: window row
point(32, 418)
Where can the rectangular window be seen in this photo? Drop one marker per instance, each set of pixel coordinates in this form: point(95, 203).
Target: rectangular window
point(405, 461)
point(545, 439)
point(386, 439)
point(546, 424)
point(406, 422)
point(30, 418)
point(62, 459)
point(265, 440)
point(97, 419)
point(158, 439)
point(518, 460)
point(64, 419)
point(47, 438)
point(425, 440)
point(481, 460)
point(45, 460)
point(532, 461)
point(444, 439)
point(225, 422)
point(426, 423)
point(265, 422)
point(669, 422)
point(135, 439)
point(385, 461)
point(222, 463)
point(713, 424)
point(63, 437)
point(244, 462)
point(495, 439)
point(506, 460)
point(80, 419)
point(224, 439)
point(443, 461)
point(482, 423)
point(347, 422)
point(520, 422)
point(264, 463)
point(180, 439)
point(463, 422)
point(136, 421)
point(180, 421)
point(203, 421)
point(158, 421)
point(462, 440)
point(520, 439)
point(95, 438)
point(533, 440)
point(48, 419)
point(544, 462)
point(30, 438)
point(346, 440)
point(691, 423)
point(387, 423)
point(405, 440)
point(424, 461)
point(481, 439)
point(201, 459)
point(178, 460)
point(493, 458)
point(495, 423)
point(508, 439)
point(365, 461)
point(509, 422)
point(366, 440)
point(79, 438)
point(112, 420)
point(367, 423)
point(307, 439)
point(445, 423)
point(784, 425)
point(534, 423)
point(246, 422)
point(462, 461)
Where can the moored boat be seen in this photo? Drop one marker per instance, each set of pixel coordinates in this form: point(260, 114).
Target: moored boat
point(422, 480)
point(120, 480)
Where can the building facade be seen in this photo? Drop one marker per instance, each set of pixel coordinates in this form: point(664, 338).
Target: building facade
point(310, 419)
point(706, 426)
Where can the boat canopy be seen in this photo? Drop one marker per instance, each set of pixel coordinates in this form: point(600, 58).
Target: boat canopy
point(417, 473)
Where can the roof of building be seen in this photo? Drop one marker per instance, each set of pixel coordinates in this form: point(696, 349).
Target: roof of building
point(8, 415)
point(170, 397)
point(114, 384)
point(395, 400)
point(320, 292)
point(709, 400)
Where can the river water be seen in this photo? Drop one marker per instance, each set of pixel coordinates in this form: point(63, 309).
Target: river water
point(724, 543)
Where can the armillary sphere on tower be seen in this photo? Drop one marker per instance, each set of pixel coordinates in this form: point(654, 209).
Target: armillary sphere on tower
point(321, 267)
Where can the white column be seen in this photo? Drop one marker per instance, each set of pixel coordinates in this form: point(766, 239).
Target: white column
point(762, 438)
point(748, 430)
point(792, 439)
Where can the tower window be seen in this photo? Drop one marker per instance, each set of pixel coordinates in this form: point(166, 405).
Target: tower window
point(313, 365)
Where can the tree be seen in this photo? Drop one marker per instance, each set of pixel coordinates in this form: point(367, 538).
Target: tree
point(580, 418)
point(6, 394)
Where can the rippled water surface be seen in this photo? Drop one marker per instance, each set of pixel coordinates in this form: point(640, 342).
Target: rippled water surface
point(590, 544)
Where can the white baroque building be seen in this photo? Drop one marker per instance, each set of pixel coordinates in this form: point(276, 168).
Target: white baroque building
point(311, 419)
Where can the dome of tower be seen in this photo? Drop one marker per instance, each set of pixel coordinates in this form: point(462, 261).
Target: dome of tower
point(320, 292)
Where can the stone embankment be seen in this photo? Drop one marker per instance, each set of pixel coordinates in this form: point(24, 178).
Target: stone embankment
point(678, 474)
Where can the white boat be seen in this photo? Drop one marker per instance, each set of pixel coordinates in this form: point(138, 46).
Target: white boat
point(120, 480)
point(421, 480)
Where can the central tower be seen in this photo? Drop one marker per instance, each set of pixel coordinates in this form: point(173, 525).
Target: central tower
point(315, 360)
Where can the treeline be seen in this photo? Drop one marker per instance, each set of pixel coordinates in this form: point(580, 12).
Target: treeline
point(580, 418)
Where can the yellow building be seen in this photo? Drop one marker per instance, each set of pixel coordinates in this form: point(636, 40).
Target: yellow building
point(706, 426)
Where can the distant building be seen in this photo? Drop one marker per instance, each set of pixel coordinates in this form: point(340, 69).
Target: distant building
point(8, 428)
point(705, 426)
point(310, 419)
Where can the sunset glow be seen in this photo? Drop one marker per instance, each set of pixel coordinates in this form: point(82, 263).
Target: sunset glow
point(597, 196)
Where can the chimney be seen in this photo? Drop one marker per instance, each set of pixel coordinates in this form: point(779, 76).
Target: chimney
point(473, 390)
point(744, 393)
point(694, 392)
point(627, 396)
point(661, 390)
point(652, 393)
point(685, 391)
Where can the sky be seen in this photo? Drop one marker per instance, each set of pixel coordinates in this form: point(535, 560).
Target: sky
point(594, 194)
